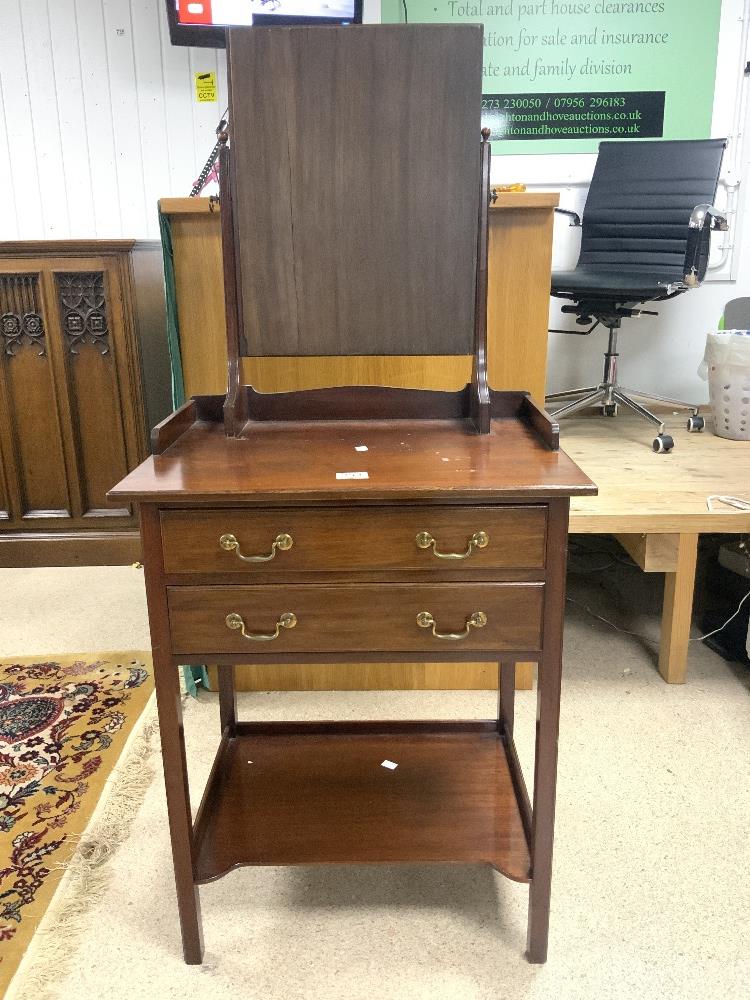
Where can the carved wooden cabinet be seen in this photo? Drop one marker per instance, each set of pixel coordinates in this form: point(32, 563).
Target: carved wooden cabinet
point(71, 407)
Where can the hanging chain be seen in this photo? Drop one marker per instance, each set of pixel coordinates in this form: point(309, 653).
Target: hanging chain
point(203, 176)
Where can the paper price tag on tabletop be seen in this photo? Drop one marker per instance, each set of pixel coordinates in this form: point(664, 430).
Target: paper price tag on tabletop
point(205, 88)
point(352, 475)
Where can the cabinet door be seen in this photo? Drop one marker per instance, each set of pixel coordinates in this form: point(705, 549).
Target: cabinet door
point(34, 484)
point(70, 391)
point(90, 318)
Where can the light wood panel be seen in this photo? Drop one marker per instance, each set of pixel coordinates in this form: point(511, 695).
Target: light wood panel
point(366, 677)
point(199, 285)
point(519, 266)
point(520, 260)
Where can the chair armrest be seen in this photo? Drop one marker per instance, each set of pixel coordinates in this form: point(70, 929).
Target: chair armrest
point(703, 219)
point(574, 216)
point(707, 216)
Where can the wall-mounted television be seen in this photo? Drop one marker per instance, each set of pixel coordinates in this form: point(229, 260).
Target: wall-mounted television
point(202, 22)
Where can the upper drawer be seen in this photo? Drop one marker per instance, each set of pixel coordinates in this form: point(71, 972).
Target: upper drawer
point(341, 539)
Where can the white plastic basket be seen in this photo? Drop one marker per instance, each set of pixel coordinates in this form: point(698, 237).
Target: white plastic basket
point(726, 365)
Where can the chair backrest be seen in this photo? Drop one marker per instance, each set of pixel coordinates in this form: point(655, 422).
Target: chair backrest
point(640, 201)
point(355, 172)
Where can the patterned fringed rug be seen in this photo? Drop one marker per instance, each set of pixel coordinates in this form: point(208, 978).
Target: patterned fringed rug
point(64, 721)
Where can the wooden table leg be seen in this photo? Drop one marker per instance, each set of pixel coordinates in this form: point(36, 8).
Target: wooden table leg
point(543, 814)
point(174, 760)
point(227, 698)
point(677, 612)
point(506, 691)
point(674, 555)
point(547, 728)
point(169, 703)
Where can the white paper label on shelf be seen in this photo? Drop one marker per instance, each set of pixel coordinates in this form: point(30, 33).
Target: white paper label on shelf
point(360, 447)
point(389, 764)
point(352, 475)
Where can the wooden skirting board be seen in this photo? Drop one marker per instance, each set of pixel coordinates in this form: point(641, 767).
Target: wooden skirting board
point(71, 548)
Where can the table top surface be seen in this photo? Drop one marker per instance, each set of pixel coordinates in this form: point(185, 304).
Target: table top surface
point(405, 460)
point(504, 201)
point(639, 491)
point(642, 492)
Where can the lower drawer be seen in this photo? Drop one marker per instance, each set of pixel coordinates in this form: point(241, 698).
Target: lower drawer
point(356, 618)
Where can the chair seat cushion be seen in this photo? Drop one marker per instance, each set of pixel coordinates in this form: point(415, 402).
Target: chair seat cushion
point(620, 285)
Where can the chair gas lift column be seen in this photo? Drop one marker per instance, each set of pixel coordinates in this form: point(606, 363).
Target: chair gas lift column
point(645, 237)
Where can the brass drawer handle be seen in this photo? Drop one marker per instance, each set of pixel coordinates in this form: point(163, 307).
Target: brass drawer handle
point(287, 620)
point(479, 540)
point(477, 620)
point(283, 542)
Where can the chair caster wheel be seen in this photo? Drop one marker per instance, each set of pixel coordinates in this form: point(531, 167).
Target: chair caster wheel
point(662, 443)
point(695, 424)
point(609, 409)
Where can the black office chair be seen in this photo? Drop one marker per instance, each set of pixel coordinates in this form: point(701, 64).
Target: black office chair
point(646, 233)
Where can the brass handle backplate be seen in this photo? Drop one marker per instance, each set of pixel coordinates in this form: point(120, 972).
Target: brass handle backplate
point(284, 542)
point(479, 540)
point(476, 620)
point(235, 621)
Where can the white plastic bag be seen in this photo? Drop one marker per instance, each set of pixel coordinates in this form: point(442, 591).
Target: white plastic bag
point(726, 365)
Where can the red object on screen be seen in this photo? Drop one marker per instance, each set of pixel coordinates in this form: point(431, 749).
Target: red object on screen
point(194, 12)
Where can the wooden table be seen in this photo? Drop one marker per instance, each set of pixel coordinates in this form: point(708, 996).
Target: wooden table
point(350, 577)
point(355, 522)
point(655, 505)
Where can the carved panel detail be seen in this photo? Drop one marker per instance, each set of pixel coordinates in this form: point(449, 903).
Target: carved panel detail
point(84, 309)
point(20, 319)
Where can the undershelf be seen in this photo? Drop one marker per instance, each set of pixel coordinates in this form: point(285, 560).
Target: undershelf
point(317, 793)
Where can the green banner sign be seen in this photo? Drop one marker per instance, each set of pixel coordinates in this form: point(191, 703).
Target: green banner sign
point(560, 76)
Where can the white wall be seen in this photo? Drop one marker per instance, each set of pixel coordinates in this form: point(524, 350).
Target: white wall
point(98, 119)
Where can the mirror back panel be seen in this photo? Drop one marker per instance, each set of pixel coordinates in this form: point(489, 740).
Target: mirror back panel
point(355, 185)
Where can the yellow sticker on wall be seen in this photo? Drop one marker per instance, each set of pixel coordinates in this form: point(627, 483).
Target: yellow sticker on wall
point(205, 88)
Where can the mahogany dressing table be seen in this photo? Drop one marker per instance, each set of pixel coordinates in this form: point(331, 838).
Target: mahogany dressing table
point(341, 524)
